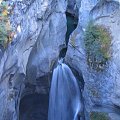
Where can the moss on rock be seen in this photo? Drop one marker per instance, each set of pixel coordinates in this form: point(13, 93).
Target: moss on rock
point(99, 116)
point(97, 43)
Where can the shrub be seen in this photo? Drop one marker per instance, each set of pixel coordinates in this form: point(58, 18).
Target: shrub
point(99, 116)
point(97, 44)
point(5, 29)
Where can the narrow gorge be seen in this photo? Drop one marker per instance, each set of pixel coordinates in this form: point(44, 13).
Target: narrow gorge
point(62, 62)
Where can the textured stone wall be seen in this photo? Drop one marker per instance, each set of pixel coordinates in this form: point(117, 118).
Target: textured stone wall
point(41, 26)
point(29, 59)
point(101, 90)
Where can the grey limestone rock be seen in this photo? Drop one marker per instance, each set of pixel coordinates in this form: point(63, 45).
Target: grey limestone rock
point(41, 26)
point(101, 90)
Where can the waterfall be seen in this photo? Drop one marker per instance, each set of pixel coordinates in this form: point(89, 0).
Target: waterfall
point(65, 100)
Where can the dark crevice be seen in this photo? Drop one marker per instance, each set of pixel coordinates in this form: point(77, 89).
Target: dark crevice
point(72, 22)
point(34, 107)
point(63, 53)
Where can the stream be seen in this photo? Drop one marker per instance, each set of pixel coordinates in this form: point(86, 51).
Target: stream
point(65, 97)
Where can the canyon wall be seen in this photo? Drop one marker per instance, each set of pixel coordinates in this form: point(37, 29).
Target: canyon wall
point(28, 60)
point(41, 25)
point(101, 90)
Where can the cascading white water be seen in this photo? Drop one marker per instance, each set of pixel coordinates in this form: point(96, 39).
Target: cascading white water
point(65, 100)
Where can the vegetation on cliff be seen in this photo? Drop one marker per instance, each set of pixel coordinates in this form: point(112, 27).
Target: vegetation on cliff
point(6, 32)
point(97, 44)
point(99, 116)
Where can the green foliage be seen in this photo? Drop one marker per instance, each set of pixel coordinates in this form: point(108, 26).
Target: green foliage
point(97, 44)
point(99, 116)
point(3, 33)
point(5, 30)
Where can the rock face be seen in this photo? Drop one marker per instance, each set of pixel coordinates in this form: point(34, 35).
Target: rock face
point(101, 90)
point(25, 67)
point(72, 7)
point(26, 64)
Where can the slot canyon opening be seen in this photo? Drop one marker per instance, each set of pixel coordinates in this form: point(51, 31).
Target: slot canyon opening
point(72, 22)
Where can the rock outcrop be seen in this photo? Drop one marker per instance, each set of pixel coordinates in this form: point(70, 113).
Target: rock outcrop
point(27, 62)
point(101, 90)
